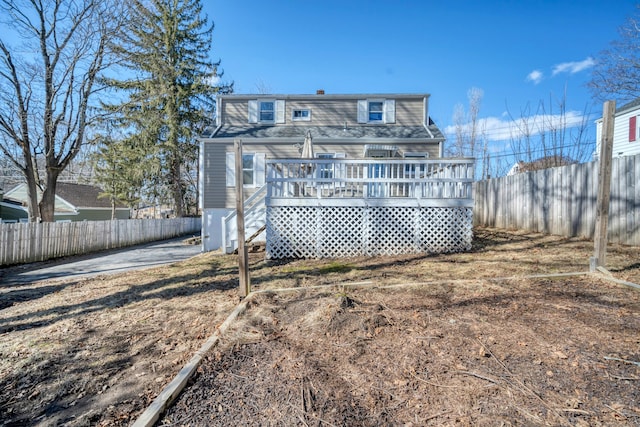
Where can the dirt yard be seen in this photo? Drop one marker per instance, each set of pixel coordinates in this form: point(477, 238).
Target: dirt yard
point(458, 339)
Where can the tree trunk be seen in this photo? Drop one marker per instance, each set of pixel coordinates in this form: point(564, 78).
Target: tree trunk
point(47, 204)
point(176, 187)
point(32, 196)
point(175, 156)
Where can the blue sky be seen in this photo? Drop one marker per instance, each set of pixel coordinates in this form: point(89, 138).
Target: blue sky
point(518, 53)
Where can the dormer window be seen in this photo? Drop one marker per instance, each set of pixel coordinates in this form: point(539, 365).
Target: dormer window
point(376, 111)
point(267, 111)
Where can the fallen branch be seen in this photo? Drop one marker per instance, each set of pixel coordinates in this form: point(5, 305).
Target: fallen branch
point(431, 417)
point(577, 411)
point(482, 377)
point(622, 360)
point(615, 377)
point(616, 411)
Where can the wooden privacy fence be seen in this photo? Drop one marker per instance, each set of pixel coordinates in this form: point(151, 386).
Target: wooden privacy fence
point(31, 242)
point(562, 201)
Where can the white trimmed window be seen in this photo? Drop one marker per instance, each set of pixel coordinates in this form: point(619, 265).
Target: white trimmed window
point(376, 111)
point(301, 115)
point(247, 168)
point(266, 111)
point(253, 169)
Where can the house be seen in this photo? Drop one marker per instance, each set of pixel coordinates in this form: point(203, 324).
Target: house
point(626, 130)
point(11, 211)
point(352, 126)
point(74, 202)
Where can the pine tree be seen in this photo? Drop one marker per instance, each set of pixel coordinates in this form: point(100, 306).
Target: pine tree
point(116, 166)
point(170, 93)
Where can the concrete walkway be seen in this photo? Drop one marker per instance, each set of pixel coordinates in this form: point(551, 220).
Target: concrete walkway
point(109, 262)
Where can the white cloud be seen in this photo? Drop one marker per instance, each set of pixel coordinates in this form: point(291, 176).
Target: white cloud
point(504, 129)
point(535, 76)
point(573, 67)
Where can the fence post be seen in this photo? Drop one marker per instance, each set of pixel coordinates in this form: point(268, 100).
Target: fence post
point(243, 256)
point(604, 186)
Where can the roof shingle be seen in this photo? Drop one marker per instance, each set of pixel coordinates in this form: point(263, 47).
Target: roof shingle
point(331, 132)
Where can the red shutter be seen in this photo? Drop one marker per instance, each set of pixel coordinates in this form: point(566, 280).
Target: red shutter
point(632, 129)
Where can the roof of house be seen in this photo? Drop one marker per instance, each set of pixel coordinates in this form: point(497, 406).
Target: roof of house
point(69, 197)
point(331, 132)
point(317, 96)
point(629, 105)
point(83, 195)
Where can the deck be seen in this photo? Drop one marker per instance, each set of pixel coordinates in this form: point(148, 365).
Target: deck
point(337, 207)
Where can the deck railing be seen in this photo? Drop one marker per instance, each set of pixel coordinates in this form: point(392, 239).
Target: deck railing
point(397, 182)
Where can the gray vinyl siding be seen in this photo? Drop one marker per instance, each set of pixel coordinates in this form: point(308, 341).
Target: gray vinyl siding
point(235, 112)
point(409, 112)
point(213, 192)
point(324, 112)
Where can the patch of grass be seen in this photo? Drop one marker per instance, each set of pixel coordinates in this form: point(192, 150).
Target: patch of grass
point(335, 267)
point(315, 269)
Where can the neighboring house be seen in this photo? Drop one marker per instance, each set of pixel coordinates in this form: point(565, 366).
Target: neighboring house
point(626, 130)
point(274, 126)
point(10, 211)
point(74, 202)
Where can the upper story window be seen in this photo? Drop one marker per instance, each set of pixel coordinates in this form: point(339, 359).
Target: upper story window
point(376, 111)
point(267, 111)
point(301, 115)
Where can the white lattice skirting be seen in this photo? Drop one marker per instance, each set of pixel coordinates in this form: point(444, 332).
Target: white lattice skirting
point(338, 232)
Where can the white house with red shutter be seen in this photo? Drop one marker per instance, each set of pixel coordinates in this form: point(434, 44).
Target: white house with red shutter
point(626, 130)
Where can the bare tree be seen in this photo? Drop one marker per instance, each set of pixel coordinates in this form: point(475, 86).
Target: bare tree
point(47, 82)
point(617, 71)
point(466, 125)
point(457, 149)
point(547, 137)
point(470, 139)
